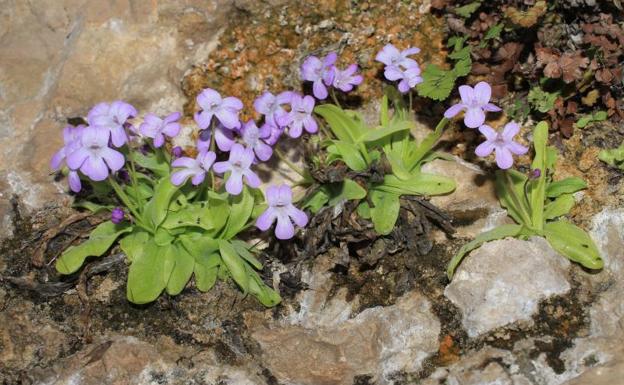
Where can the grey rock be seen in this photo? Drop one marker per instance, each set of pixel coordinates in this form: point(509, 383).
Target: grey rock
point(503, 282)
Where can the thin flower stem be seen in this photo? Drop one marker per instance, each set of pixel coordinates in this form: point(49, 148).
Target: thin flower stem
point(126, 201)
point(133, 178)
point(334, 98)
point(325, 131)
point(212, 148)
point(290, 164)
point(510, 187)
point(411, 104)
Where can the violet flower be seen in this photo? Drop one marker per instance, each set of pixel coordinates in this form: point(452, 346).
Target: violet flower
point(254, 139)
point(195, 168)
point(408, 78)
point(71, 140)
point(74, 181)
point(320, 73)
point(275, 132)
point(156, 128)
point(93, 157)
point(117, 215)
point(392, 57)
point(502, 143)
point(475, 101)
point(346, 79)
point(226, 110)
point(112, 117)
point(224, 137)
point(177, 152)
point(300, 116)
point(238, 165)
point(269, 105)
point(281, 208)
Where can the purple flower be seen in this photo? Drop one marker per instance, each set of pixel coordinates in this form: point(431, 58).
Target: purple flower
point(176, 152)
point(409, 78)
point(269, 105)
point(224, 137)
point(197, 168)
point(320, 73)
point(502, 143)
point(71, 139)
point(392, 57)
point(225, 109)
point(93, 157)
point(275, 133)
point(281, 208)
point(536, 173)
point(74, 181)
point(238, 165)
point(112, 117)
point(300, 115)
point(117, 215)
point(254, 139)
point(346, 80)
point(156, 128)
point(475, 101)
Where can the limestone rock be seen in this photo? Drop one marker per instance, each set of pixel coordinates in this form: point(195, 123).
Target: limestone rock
point(61, 57)
point(379, 341)
point(503, 281)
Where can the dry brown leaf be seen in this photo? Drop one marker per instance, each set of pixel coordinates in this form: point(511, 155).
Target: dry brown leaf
point(529, 17)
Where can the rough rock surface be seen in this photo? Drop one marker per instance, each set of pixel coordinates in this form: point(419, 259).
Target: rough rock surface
point(324, 343)
point(503, 281)
point(61, 57)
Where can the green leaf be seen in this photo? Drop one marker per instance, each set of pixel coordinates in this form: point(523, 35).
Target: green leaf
point(573, 243)
point(146, 274)
point(180, 265)
point(345, 127)
point(200, 246)
point(317, 200)
point(351, 155)
point(494, 32)
point(613, 157)
point(154, 162)
point(364, 210)
point(437, 83)
point(206, 275)
point(500, 232)
point(133, 243)
point(384, 117)
point(266, 295)
point(382, 132)
point(241, 208)
point(560, 206)
point(234, 264)
point(344, 191)
point(100, 240)
point(93, 207)
point(157, 208)
point(242, 248)
point(541, 100)
point(163, 237)
point(468, 9)
point(385, 211)
point(537, 187)
point(519, 211)
point(462, 67)
point(565, 186)
point(418, 184)
point(426, 146)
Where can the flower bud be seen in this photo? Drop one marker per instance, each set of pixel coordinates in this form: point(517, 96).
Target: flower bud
point(117, 215)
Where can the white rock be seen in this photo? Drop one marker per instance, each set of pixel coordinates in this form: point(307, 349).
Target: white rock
point(503, 282)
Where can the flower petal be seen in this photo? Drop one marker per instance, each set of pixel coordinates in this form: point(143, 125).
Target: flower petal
point(95, 168)
point(517, 148)
point(228, 117)
point(298, 216)
point(482, 93)
point(114, 159)
point(179, 177)
point(184, 161)
point(453, 110)
point(467, 94)
point(76, 159)
point(474, 117)
point(504, 159)
point(284, 228)
point(207, 98)
point(510, 130)
point(484, 149)
point(488, 132)
point(234, 184)
point(221, 167)
point(74, 181)
point(266, 219)
point(319, 90)
point(252, 178)
point(263, 151)
point(198, 178)
point(203, 119)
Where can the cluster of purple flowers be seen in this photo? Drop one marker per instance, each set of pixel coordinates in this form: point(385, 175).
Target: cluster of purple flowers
point(476, 102)
point(247, 144)
point(400, 67)
point(323, 73)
